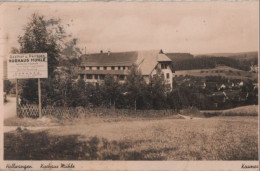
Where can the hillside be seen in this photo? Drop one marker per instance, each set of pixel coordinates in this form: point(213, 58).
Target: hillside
point(212, 62)
point(223, 71)
point(240, 56)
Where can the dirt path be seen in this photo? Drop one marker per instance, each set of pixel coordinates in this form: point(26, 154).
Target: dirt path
point(188, 117)
point(13, 128)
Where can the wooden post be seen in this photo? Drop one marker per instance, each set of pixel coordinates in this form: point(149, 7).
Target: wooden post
point(16, 92)
point(40, 97)
point(135, 105)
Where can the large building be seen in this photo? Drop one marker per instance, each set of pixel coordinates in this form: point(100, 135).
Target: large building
point(94, 67)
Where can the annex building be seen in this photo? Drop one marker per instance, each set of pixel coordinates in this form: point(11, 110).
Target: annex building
point(94, 67)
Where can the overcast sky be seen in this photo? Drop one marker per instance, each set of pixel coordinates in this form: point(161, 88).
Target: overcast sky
point(194, 27)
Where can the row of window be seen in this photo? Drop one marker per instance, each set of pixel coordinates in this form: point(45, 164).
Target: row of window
point(167, 75)
point(102, 76)
point(104, 68)
point(99, 77)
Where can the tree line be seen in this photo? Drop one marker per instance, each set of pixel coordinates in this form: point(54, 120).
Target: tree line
point(211, 62)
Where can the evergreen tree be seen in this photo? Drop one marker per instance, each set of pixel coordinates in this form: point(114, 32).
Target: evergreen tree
point(111, 89)
point(135, 85)
point(158, 90)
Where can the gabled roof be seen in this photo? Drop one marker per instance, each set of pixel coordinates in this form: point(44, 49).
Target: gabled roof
point(147, 61)
point(163, 58)
point(112, 59)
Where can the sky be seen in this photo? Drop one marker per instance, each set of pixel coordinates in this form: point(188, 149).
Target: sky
point(189, 27)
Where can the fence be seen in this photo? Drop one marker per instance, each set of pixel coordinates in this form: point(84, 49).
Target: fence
point(32, 111)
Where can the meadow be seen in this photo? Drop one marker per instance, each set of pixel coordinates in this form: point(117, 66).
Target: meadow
point(107, 138)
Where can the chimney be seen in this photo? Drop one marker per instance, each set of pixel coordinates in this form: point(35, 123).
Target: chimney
point(161, 51)
point(108, 52)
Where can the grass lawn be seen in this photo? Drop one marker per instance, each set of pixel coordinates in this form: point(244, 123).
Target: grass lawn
point(215, 138)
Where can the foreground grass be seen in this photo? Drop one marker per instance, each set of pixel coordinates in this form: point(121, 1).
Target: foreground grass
point(218, 138)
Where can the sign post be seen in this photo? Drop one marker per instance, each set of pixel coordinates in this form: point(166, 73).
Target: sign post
point(40, 97)
point(26, 66)
point(16, 92)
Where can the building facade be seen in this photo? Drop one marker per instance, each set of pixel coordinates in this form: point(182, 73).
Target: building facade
point(94, 67)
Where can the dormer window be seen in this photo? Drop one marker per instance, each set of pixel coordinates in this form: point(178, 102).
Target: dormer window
point(163, 66)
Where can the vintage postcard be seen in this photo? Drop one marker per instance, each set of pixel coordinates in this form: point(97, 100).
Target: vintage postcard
point(129, 85)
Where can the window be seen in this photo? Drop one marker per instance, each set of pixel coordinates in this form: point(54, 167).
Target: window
point(123, 68)
point(105, 68)
point(90, 68)
point(98, 68)
point(121, 77)
point(89, 76)
point(119, 68)
point(167, 75)
point(81, 76)
point(96, 77)
point(101, 77)
point(82, 68)
point(113, 68)
point(164, 66)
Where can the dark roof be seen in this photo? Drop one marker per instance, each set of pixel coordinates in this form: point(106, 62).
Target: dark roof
point(112, 59)
point(179, 56)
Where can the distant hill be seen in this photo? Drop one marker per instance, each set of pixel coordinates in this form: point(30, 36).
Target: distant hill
point(240, 56)
point(207, 62)
point(223, 71)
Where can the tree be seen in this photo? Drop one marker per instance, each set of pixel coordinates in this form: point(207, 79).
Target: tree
point(43, 35)
point(8, 86)
point(111, 89)
point(135, 84)
point(70, 50)
point(158, 90)
point(30, 91)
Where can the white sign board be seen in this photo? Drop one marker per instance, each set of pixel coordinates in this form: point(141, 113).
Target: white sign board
point(27, 65)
